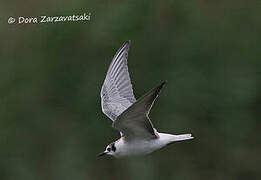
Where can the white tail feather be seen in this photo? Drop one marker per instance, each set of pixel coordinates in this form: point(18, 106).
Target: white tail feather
point(182, 137)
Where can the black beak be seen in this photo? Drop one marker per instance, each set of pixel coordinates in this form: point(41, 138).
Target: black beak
point(102, 154)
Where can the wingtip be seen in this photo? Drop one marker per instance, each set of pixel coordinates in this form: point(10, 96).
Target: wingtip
point(163, 83)
point(160, 86)
point(127, 43)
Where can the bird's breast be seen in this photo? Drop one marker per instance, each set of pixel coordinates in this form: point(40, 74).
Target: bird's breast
point(138, 147)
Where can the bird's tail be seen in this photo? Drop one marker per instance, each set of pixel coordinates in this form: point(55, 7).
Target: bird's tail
point(182, 137)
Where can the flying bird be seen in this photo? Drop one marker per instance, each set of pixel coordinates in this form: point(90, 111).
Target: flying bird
point(130, 116)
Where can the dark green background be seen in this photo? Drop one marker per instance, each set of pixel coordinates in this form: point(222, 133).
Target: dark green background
point(51, 124)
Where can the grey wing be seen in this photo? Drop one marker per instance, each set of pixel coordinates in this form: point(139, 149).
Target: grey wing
point(134, 123)
point(116, 93)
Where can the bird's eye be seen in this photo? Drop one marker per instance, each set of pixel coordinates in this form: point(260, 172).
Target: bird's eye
point(108, 149)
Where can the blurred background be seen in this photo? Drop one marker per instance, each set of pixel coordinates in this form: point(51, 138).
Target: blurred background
point(51, 124)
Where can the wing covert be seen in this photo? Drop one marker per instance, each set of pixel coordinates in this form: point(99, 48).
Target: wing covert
point(134, 123)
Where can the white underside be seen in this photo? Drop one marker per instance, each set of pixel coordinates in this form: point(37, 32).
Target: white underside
point(144, 147)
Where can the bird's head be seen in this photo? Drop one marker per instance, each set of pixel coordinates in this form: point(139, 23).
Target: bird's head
point(109, 150)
